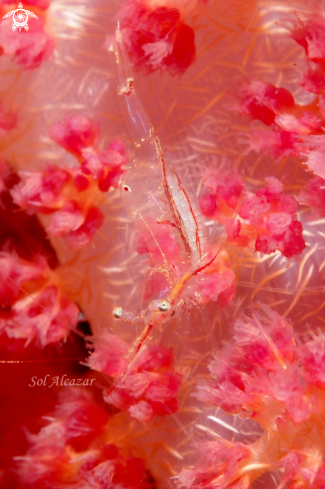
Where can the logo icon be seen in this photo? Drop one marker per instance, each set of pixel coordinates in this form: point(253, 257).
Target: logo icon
point(20, 18)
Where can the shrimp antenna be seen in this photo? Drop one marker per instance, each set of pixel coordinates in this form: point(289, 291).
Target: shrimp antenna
point(132, 109)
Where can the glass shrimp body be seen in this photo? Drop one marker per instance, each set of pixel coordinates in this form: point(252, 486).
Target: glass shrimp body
point(157, 199)
point(154, 194)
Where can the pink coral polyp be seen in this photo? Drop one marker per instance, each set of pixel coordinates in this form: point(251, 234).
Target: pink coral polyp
point(274, 377)
point(80, 237)
point(28, 49)
point(263, 101)
point(309, 31)
point(74, 133)
point(31, 309)
point(41, 191)
point(78, 135)
point(65, 454)
point(17, 273)
point(278, 143)
point(314, 195)
point(264, 339)
point(216, 283)
point(157, 37)
point(46, 316)
point(313, 80)
point(70, 195)
point(265, 220)
point(149, 388)
point(68, 219)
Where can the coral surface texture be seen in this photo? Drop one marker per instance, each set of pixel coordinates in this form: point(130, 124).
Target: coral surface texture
point(162, 244)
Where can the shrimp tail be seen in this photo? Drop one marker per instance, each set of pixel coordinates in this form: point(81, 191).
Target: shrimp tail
point(133, 111)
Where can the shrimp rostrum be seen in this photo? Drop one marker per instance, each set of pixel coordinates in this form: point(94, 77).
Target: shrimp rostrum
point(182, 267)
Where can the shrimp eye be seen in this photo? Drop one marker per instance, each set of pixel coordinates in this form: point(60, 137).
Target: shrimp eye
point(164, 306)
point(126, 188)
point(117, 313)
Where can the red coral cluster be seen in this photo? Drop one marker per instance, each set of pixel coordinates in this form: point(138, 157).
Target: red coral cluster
point(265, 220)
point(70, 195)
point(296, 130)
point(263, 102)
point(147, 388)
point(32, 306)
point(248, 372)
point(269, 375)
point(291, 123)
point(65, 454)
point(157, 37)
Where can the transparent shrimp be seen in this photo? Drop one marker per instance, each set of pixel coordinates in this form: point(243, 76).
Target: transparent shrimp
point(159, 203)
